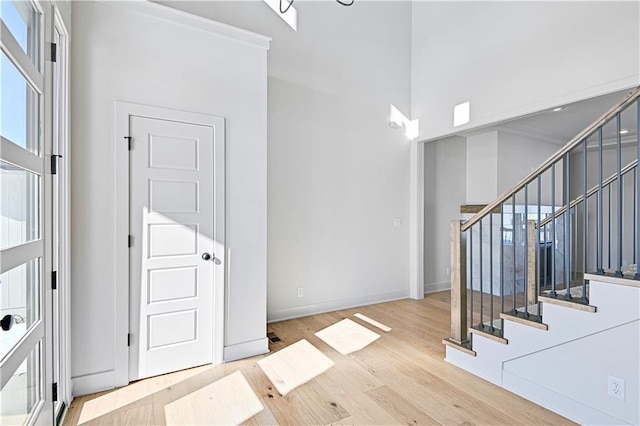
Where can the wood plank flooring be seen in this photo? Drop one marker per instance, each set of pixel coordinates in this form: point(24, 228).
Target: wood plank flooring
point(401, 378)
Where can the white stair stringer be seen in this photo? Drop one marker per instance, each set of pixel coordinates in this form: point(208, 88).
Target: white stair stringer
point(618, 307)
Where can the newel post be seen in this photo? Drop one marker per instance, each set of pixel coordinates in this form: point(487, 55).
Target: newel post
point(459, 330)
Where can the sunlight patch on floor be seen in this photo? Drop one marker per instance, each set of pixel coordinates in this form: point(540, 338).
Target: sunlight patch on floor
point(228, 401)
point(347, 336)
point(294, 365)
point(131, 393)
point(373, 322)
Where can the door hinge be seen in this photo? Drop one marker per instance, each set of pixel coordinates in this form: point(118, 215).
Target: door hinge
point(54, 163)
point(54, 280)
point(129, 141)
point(54, 52)
point(128, 339)
point(130, 241)
point(54, 389)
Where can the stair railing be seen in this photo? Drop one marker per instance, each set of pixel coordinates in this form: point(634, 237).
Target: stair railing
point(539, 236)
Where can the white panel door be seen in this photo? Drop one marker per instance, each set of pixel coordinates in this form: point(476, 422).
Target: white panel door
point(172, 254)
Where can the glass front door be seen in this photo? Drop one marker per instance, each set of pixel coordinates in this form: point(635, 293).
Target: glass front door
point(24, 379)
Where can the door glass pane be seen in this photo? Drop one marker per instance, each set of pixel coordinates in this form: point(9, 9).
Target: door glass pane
point(19, 110)
point(20, 396)
point(22, 20)
point(19, 206)
point(19, 297)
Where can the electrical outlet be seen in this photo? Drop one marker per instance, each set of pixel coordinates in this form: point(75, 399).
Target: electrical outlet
point(616, 387)
point(397, 222)
point(448, 271)
point(300, 292)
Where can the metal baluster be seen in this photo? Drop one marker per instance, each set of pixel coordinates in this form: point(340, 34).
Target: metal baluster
point(574, 243)
point(609, 226)
point(585, 218)
point(471, 273)
point(546, 256)
point(636, 216)
point(491, 270)
point(599, 240)
point(501, 258)
point(567, 226)
point(553, 231)
point(513, 243)
point(481, 324)
point(537, 253)
point(635, 223)
point(619, 184)
point(525, 267)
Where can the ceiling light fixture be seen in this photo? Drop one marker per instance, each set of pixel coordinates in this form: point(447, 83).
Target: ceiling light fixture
point(557, 109)
point(290, 2)
point(624, 131)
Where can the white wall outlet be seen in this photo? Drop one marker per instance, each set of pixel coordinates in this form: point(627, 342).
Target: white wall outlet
point(300, 292)
point(397, 222)
point(448, 271)
point(616, 387)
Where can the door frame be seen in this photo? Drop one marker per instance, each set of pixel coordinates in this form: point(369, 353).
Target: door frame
point(124, 110)
point(61, 101)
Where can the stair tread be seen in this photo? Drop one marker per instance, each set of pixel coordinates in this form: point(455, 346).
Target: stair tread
point(519, 318)
point(574, 303)
point(495, 335)
point(464, 347)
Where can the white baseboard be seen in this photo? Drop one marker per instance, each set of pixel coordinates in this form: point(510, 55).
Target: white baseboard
point(334, 305)
point(92, 383)
point(246, 349)
point(435, 287)
point(558, 403)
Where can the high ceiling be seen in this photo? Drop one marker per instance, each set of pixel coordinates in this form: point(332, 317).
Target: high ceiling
point(561, 126)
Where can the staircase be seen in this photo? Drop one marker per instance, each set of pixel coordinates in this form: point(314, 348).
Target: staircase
point(545, 290)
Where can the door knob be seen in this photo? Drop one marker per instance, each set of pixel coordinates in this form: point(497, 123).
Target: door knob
point(206, 256)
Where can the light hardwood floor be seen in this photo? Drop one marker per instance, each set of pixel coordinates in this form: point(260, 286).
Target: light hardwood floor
point(401, 378)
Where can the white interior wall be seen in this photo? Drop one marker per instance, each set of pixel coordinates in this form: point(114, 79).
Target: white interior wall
point(445, 174)
point(509, 59)
point(122, 55)
point(518, 155)
point(338, 175)
point(482, 167)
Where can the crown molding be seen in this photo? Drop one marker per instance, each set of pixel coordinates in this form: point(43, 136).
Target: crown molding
point(192, 21)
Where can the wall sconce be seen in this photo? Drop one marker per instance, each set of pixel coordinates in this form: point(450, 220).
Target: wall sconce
point(397, 120)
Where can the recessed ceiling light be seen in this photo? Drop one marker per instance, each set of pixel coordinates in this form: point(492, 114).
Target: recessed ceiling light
point(558, 109)
point(624, 131)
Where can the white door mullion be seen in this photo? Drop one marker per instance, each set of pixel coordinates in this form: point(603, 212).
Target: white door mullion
point(21, 61)
point(21, 350)
point(20, 157)
point(16, 256)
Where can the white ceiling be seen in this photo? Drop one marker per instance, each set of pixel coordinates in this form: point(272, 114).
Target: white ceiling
point(561, 126)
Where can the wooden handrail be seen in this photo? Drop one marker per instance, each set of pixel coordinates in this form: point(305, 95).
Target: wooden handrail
point(626, 169)
point(610, 114)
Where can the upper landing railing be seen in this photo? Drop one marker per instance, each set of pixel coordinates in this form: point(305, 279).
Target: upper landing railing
point(578, 212)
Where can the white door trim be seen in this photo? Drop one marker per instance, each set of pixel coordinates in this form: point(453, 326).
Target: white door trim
point(416, 221)
point(121, 313)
